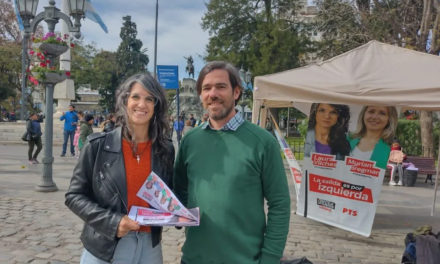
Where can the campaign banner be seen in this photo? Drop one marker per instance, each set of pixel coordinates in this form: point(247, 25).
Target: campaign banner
point(345, 157)
point(294, 168)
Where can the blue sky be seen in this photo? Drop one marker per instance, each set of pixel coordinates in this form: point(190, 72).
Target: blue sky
point(179, 30)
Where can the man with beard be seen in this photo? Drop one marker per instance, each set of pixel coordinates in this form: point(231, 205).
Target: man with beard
point(227, 167)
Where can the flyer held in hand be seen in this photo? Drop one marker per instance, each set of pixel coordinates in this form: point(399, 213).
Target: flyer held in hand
point(166, 209)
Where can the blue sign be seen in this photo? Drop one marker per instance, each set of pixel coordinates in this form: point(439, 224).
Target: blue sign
point(168, 76)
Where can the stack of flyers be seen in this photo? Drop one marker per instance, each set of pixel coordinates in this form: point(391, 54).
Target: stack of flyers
point(166, 209)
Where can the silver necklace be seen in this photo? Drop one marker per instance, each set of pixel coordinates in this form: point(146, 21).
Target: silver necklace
point(138, 156)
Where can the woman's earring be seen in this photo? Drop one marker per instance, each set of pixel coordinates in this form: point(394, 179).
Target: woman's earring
point(154, 119)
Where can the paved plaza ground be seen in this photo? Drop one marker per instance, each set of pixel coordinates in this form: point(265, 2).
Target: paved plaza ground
point(38, 228)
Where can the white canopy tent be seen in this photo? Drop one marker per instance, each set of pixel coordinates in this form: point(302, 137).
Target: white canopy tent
point(372, 74)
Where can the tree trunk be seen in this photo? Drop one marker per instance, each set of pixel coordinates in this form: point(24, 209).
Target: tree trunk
point(427, 134)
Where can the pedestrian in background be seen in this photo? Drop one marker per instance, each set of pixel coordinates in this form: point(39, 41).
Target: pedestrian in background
point(70, 122)
point(86, 129)
point(187, 127)
point(193, 120)
point(171, 124)
point(111, 170)
point(76, 141)
point(178, 127)
point(34, 129)
point(109, 124)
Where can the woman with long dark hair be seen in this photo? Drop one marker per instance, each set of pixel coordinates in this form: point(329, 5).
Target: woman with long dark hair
point(327, 130)
point(112, 168)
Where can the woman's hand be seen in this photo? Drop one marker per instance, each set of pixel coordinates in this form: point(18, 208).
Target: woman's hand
point(126, 225)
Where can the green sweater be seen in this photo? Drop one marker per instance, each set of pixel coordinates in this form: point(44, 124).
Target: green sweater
point(381, 151)
point(227, 174)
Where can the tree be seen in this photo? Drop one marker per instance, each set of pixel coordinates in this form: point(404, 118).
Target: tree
point(9, 66)
point(130, 56)
point(10, 52)
point(406, 23)
point(106, 78)
point(263, 36)
point(82, 66)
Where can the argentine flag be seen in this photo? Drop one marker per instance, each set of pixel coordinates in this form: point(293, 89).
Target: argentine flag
point(17, 13)
point(93, 15)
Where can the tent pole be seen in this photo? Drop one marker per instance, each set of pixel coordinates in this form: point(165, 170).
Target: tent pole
point(436, 184)
point(288, 121)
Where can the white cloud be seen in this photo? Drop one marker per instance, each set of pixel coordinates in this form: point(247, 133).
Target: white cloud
point(179, 31)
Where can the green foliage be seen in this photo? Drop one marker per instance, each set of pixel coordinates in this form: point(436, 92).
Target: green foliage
point(130, 56)
point(302, 128)
point(52, 38)
point(41, 72)
point(408, 134)
point(10, 65)
point(246, 33)
point(83, 70)
point(106, 78)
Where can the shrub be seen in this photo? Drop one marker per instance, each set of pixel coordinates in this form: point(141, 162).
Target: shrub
point(302, 128)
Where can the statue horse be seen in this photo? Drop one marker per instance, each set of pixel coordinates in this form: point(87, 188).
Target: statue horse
point(190, 70)
point(189, 66)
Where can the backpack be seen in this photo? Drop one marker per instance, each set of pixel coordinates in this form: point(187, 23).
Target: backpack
point(396, 156)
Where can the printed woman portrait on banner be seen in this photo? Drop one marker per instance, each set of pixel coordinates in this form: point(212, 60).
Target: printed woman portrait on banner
point(376, 128)
point(327, 130)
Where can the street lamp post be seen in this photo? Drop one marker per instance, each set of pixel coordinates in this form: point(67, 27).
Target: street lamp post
point(247, 78)
point(51, 15)
point(23, 77)
point(155, 40)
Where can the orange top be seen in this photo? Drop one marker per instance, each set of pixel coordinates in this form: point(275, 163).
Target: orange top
point(137, 173)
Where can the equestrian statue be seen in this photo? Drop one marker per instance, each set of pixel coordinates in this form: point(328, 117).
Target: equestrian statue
point(189, 66)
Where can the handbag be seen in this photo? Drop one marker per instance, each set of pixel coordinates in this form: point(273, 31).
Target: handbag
point(396, 156)
point(26, 136)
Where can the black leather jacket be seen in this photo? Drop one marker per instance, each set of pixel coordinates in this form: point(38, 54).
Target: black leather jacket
point(109, 126)
point(98, 192)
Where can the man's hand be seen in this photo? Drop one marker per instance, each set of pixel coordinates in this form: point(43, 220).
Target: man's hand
point(126, 225)
point(63, 113)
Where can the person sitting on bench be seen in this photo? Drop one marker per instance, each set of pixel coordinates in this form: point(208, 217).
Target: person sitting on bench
point(395, 161)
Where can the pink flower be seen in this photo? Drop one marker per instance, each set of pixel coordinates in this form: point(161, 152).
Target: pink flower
point(33, 80)
point(68, 73)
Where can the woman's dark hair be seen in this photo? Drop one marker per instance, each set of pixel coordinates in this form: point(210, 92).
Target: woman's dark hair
point(337, 138)
point(158, 130)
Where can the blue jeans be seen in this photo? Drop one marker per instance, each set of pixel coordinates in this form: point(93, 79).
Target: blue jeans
point(179, 135)
point(67, 135)
point(134, 248)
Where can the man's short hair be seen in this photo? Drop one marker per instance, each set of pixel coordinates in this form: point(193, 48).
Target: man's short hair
point(72, 106)
point(234, 76)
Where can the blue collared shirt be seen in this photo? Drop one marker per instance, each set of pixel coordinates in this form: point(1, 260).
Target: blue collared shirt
point(232, 124)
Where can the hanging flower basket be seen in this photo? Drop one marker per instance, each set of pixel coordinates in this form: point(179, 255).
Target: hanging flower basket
point(50, 49)
point(50, 77)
